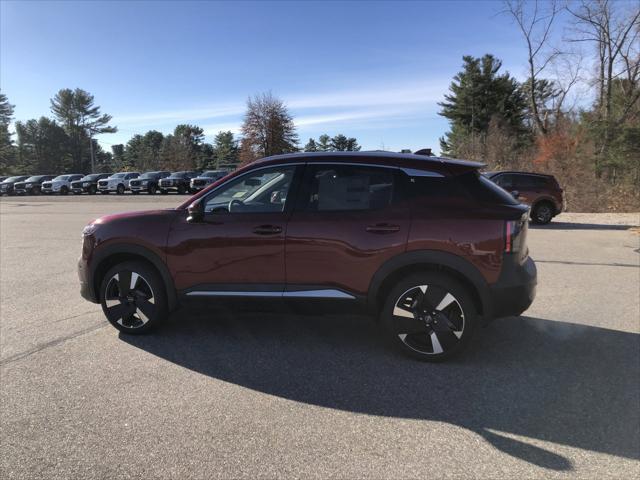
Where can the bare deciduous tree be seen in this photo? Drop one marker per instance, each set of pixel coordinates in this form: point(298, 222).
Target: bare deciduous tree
point(535, 24)
point(268, 129)
point(614, 29)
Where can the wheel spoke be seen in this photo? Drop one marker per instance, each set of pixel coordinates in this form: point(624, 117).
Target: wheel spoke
point(445, 302)
point(124, 282)
point(435, 343)
point(146, 307)
point(406, 325)
point(401, 311)
point(134, 280)
point(119, 312)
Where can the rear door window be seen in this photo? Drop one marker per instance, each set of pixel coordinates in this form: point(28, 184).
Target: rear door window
point(348, 187)
point(530, 182)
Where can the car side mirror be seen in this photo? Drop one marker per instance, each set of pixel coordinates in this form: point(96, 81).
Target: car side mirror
point(515, 194)
point(196, 212)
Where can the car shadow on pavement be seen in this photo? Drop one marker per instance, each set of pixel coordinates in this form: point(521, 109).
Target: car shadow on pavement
point(544, 380)
point(579, 226)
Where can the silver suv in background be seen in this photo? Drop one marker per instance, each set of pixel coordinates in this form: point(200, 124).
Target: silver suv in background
point(61, 184)
point(118, 182)
point(207, 178)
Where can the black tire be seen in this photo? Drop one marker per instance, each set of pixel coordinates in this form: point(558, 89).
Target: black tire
point(134, 192)
point(181, 189)
point(92, 190)
point(164, 192)
point(412, 315)
point(152, 189)
point(120, 189)
point(542, 213)
point(137, 309)
point(64, 190)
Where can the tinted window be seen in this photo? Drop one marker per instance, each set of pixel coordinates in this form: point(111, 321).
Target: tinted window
point(349, 187)
point(36, 178)
point(264, 190)
point(484, 190)
point(437, 187)
point(14, 179)
point(530, 182)
point(505, 180)
point(118, 175)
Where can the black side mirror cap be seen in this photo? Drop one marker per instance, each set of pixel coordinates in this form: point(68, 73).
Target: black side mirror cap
point(196, 212)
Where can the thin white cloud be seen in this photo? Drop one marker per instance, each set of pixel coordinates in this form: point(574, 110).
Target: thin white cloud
point(397, 96)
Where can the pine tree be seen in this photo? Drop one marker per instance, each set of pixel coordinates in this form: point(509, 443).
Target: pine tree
point(479, 94)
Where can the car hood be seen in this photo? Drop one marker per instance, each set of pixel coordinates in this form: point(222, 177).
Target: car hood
point(133, 216)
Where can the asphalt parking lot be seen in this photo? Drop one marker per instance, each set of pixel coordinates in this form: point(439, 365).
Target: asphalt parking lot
point(224, 394)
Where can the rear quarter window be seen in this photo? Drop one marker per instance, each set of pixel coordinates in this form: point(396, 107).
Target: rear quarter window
point(484, 190)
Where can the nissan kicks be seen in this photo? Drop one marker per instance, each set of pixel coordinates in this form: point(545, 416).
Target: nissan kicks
point(427, 244)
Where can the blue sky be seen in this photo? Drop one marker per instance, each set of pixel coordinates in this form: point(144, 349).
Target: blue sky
point(373, 70)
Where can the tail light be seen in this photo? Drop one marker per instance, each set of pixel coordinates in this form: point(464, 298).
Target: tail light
point(515, 234)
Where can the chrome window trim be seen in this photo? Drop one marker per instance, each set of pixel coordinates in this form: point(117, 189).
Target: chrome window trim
point(317, 293)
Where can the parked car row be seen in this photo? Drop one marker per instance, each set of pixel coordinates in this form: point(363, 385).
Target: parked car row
point(77, 183)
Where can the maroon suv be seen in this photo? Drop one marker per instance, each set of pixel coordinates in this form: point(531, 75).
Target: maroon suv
point(541, 192)
point(427, 244)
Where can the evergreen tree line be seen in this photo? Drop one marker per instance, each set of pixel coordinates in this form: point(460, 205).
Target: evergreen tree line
point(65, 142)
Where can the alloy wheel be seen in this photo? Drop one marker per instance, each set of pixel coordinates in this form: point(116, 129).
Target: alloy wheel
point(428, 319)
point(543, 213)
point(129, 300)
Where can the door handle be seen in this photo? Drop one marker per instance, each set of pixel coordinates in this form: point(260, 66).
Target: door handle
point(382, 228)
point(267, 230)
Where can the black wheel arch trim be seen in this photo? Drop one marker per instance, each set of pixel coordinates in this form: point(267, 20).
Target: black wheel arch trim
point(431, 259)
point(101, 255)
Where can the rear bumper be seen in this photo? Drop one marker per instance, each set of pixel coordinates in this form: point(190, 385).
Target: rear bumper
point(515, 290)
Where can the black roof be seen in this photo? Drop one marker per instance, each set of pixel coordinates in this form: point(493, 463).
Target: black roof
point(518, 172)
point(412, 157)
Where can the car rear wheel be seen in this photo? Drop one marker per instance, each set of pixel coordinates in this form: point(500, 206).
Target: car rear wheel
point(152, 190)
point(92, 190)
point(120, 189)
point(181, 189)
point(429, 316)
point(133, 297)
point(542, 213)
point(64, 190)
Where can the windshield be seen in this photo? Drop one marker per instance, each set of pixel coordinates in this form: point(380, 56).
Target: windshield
point(93, 176)
point(213, 174)
point(178, 175)
point(118, 175)
point(149, 175)
point(13, 179)
point(35, 178)
point(61, 178)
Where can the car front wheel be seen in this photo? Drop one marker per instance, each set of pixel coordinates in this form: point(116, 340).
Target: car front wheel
point(429, 316)
point(133, 297)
